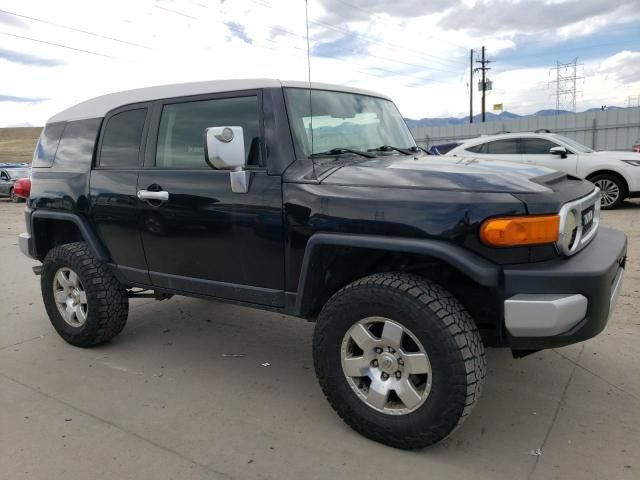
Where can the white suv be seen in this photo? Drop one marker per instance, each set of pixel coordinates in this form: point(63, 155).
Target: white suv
point(616, 173)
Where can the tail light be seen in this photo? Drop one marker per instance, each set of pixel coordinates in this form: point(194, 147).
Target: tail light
point(22, 187)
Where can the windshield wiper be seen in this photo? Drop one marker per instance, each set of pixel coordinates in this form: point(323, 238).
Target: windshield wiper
point(416, 149)
point(388, 148)
point(341, 151)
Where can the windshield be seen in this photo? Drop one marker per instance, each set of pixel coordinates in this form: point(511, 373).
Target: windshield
point(18, 173)
point(577, 146)
point(344, 120)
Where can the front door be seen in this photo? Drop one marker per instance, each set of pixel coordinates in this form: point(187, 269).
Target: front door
point(537, 151)
point(198, 235)
point(5, 183)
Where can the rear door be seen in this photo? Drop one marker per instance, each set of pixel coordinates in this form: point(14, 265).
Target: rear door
point(199, 236)
point(507, 149)
point(536, 150)
point(113, 202)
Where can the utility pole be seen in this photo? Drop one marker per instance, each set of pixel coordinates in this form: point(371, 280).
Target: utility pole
point(483, 86)
point(471, 87)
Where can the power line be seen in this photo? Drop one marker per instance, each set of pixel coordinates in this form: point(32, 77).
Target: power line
point(60, 45)
point(74, 29)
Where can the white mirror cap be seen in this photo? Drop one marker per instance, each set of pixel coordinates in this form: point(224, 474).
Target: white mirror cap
point(225, 147)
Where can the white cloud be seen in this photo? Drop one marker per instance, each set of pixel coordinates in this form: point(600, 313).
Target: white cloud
point(412, 58)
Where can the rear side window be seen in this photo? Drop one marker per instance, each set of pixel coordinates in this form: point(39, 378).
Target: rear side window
point(502, 147)
point(476, 148)
point(77, 144)
point(122, 138)
point(47, 145)
point(182, 126)
point(537, 146)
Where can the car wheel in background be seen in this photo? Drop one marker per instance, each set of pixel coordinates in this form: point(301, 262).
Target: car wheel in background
point(613, 188)
point(14, 197)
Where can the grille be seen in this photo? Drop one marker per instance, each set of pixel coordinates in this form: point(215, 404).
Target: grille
point(579, 221)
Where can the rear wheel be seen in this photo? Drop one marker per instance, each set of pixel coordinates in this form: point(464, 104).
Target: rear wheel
point(85, 302)
point(613, 189)
point(399, 359)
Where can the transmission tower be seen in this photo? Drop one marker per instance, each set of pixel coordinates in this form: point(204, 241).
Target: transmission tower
point(633, 101)
point(566, 80)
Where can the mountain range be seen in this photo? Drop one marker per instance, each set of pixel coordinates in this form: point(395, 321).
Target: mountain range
point(490, 117)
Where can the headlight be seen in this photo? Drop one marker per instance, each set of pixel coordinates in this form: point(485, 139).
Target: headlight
point(635, 163)
point(520, 231)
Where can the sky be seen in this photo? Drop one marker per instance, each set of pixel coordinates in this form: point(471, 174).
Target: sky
point(54, 54)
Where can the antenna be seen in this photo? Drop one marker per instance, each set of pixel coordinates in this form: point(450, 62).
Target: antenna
point(306, 16)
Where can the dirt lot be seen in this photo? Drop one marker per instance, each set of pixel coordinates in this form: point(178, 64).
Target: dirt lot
point(161, 401)
point(18, 144)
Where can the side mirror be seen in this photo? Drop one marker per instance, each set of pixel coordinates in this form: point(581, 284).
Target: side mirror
point(224, 150)
point(224, 147)
point(558, 151)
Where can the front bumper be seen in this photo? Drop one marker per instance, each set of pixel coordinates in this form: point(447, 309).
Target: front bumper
point(560, 302)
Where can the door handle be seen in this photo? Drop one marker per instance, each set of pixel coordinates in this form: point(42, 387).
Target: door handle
point(149, 195)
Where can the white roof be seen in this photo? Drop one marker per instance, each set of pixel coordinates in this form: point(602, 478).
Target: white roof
point(99, 106)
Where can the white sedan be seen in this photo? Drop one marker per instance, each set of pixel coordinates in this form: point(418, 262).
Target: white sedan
point(617, 174)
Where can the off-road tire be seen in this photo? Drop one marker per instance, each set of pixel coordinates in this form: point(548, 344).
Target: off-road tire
point(108, 304)
point(444, 328)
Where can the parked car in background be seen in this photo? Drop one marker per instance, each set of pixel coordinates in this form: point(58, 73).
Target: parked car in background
point(617, 174)
point(442, 148)
point(636, 147)
point(8, 177)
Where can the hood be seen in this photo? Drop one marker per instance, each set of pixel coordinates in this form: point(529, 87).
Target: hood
point(619, 155)
point(443, 173)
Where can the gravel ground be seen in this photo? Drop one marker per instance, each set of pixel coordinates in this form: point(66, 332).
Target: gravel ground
point(161, 401)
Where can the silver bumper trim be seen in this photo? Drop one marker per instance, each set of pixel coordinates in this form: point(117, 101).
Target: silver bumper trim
point(615, 290)
point(543, 315)
point(23, 243)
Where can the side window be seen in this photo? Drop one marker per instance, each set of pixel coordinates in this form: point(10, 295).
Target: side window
point(122, 138)
point(537, 146)
point(4, 177)
point(502, 147)
point(476, 148)
point(47, 145)
point(75, 151)
point(182, 126)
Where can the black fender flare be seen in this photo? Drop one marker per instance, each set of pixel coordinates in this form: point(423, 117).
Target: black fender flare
point(480, 270)
point(80, 222)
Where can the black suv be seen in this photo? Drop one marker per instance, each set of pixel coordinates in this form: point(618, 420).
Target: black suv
point(314, 200)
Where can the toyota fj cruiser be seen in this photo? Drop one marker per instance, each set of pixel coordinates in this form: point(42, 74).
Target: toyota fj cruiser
point(314, 200)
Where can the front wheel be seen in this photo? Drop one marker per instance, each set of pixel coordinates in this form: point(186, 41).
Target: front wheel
point(85, 302)
point(399, 359)
point(612, 188)
point(14, 198)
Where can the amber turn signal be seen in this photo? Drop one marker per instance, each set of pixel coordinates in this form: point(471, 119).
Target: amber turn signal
point(519, 231)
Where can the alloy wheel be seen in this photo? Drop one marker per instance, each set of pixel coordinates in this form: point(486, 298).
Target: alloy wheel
point(386, 366)
point(70, 297)
point(610, 191)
